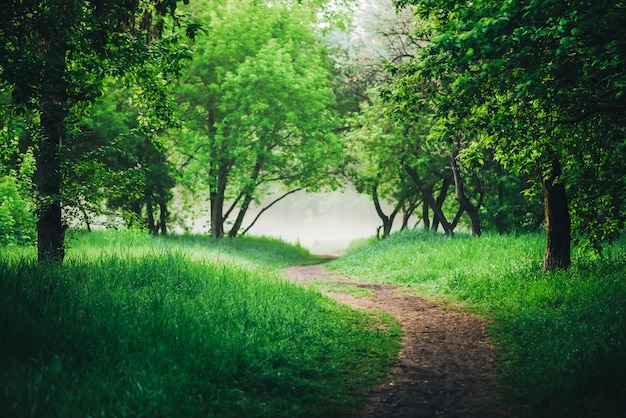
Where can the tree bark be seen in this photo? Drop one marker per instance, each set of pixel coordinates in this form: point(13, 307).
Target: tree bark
point(218, 177)
point(217, 197)
point(429, 200)
point(152, 228)
point(50, 227)
point(438, 216)
point(425, 216)
point(408, 208)
point(558, 224)
point(240, 216)
point(163, 214)
point(387, 220)
point(459, 189)
point(249, 190)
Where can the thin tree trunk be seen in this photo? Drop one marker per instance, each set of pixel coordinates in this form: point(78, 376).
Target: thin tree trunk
point(387, 220)
point(50, 228)
point(245, 205)
point(407, 211)
point(163, 214)
point(459, 189)
point(218, 191)
point(240, 216)
point(152, 228)
point(86, 218)
point(558, 226)
point(438, 216)
point(429, 199)
point(425, 216)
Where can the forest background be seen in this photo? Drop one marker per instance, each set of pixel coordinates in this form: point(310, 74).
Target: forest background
point(505, 118)
point(455, 117)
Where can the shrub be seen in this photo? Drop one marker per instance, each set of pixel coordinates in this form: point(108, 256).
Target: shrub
point(17, 224)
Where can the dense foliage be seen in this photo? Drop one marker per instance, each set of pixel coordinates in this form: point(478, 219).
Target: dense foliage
point(17, 225)
point(538, 84)
point(54, 59)
point(482, 105)
point(258, 108)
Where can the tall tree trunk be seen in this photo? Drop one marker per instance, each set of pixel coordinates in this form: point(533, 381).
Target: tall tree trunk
point(163, 214)
point(152, 228)
point(558, 225)
point(425, 216)
point(459, 189)
point(50, 227)
point(218, 177)
point(217, 197)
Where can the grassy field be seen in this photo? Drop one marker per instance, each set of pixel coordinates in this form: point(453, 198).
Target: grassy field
point(561, 336)
point(137, 326)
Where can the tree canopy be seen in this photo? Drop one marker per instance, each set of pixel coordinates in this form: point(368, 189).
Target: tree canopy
point(54, 59)
point(258, 108)
point(541, 84)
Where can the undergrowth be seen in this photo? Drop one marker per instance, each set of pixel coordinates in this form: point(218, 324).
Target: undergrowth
point(561, 336)
point(133, 326)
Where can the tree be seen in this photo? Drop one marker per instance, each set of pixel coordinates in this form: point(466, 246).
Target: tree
point(382, 151)
point(540, 83)
point(372, 166)
point(119, 160)
point(258, 107)
point(55, 56)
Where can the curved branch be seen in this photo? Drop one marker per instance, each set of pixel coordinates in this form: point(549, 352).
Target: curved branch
point(267, 207)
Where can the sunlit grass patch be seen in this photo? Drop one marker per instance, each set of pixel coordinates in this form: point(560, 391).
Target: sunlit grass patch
point(152, 330)
point(561, 336)
point(247, 251)
point(332, 286)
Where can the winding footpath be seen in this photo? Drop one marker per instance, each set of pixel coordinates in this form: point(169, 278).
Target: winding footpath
point(446, 367)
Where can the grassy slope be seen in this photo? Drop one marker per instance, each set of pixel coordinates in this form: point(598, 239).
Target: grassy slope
point(562, 336)
point(134, 326)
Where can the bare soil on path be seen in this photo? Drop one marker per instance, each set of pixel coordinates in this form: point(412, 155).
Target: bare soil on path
point(446, 367)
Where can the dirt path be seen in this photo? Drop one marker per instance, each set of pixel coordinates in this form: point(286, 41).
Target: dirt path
point(446, 365)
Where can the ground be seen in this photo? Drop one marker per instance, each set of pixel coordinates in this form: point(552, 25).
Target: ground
point(446, 367)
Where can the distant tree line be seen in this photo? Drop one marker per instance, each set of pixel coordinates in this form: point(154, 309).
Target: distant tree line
point(484, 116)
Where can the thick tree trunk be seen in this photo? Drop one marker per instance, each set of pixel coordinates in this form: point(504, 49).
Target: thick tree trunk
point(50, 227)
point(217, 220)
point(459, 189)
point(558, 225)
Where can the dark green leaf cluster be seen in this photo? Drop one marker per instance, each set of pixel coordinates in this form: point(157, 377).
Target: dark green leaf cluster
point(537, 82)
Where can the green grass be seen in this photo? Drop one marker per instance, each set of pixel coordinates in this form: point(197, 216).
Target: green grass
point(561, 336)
point(250, 251)
point(136, 326)
point(332, 286)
